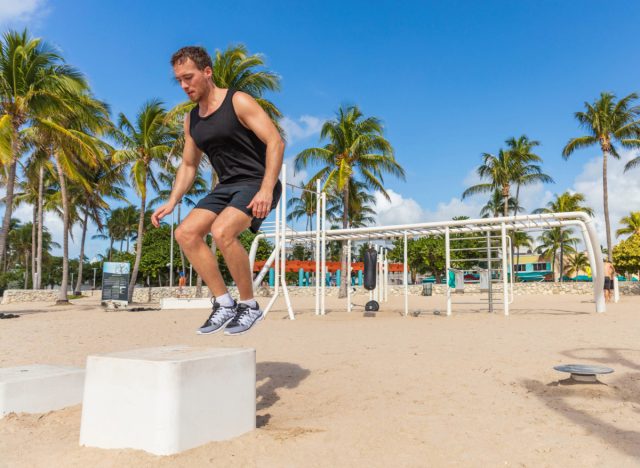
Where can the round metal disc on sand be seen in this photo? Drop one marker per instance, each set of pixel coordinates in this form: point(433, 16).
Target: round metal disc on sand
point(584, 372)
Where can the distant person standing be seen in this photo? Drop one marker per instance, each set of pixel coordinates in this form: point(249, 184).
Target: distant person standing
point(182, 282)
point(609, 271)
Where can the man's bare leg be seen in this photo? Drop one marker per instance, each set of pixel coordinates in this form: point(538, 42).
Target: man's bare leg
point(190, 235)
point(225, 230)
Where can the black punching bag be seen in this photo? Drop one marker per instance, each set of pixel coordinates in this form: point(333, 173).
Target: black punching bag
point(370, 261)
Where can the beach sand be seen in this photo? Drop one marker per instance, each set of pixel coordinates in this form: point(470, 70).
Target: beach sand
point(473, 389)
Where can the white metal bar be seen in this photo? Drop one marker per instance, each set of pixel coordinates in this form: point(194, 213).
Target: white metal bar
point(505, 291)
point(318, 273)
point(283, 244)
point(171, 252)
point(347, 277)
point(323, 258)
point(447, 250)
point(405, 278)
point(276, 265)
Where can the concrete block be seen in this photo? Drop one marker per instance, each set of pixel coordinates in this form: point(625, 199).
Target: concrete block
point(39, 388)
point(185, 303)
point(169, 399)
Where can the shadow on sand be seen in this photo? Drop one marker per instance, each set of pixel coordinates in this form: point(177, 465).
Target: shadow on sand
point(271, 376)
point(560, 396)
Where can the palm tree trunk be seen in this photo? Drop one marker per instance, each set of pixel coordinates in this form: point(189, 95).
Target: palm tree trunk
point(553, 266)
point(517, 201)
point(345, 224)
point(505, 196)
point(182, 262)
point(26, 269)
point(33, 247)
point(8, 204)
point(40, 226)
point(62, 297)
point(110, 247)
point(136, 265)
point(605, 193)
point(81, 260)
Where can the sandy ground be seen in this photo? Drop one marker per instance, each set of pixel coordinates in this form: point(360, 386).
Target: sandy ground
point(474, 389)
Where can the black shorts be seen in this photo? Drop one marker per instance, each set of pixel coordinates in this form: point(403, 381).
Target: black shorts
point(608, 283)
point(238, 195)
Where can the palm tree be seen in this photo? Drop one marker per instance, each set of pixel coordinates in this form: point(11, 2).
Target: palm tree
point(235, 68)
point(20, 242)
point(144, 143)
point(500, 173)
point(565, 203)
point(33, 82)
point(577, 263)
point(356, 147)
point(105, 182)
point(496, 204)
point(302, 206)
point(360, 211)
point(607, 122)
point(526, 171)
point(550, 242)
point(519, 239)
point(39, 192)
point(631, 224)
point(77, 149)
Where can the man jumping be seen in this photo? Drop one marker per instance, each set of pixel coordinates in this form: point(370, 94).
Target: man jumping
point(245, 150)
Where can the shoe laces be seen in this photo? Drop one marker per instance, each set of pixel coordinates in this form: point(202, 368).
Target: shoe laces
point(245, 315)
point(220, 313)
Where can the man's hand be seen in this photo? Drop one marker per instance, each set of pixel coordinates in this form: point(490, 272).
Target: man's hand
point(261, 203)
point(161, 212)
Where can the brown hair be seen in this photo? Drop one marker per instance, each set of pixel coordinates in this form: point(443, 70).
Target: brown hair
point(199, 56)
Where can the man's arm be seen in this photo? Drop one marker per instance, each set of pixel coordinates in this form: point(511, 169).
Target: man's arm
point(186, 174)
point(252, 116)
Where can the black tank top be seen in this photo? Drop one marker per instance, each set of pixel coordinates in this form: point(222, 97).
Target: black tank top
point(235, 152)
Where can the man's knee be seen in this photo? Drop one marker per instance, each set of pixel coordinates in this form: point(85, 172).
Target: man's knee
point(186, 236)
point(222, 236)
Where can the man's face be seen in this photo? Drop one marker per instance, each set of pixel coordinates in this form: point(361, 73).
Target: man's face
point(192, 80)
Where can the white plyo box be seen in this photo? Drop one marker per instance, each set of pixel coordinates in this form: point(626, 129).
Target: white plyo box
point(185, 303)
point(169, 399)
point(39, 388)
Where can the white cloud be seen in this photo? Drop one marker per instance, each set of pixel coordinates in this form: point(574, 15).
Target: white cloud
point(21, 11)
point(623, 189)
point(301, 128)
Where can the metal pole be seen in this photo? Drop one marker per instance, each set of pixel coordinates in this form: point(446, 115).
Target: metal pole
point(276, 265)
point(94, 278)
point(323, 257)
point(505, 290)
point(347, 277)
point(406, 278)
point(447, 248)
point(171, 252)
point(283, 245)
point(490, 285)
point(190, 273)
point(318, 274)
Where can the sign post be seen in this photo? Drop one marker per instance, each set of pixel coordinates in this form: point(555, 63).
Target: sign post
point(115, 282)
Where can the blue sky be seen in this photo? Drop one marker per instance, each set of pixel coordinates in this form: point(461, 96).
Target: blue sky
point(450, 80)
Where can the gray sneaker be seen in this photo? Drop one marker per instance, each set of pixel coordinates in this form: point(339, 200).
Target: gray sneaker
point(219, 318)
point(246, 317)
